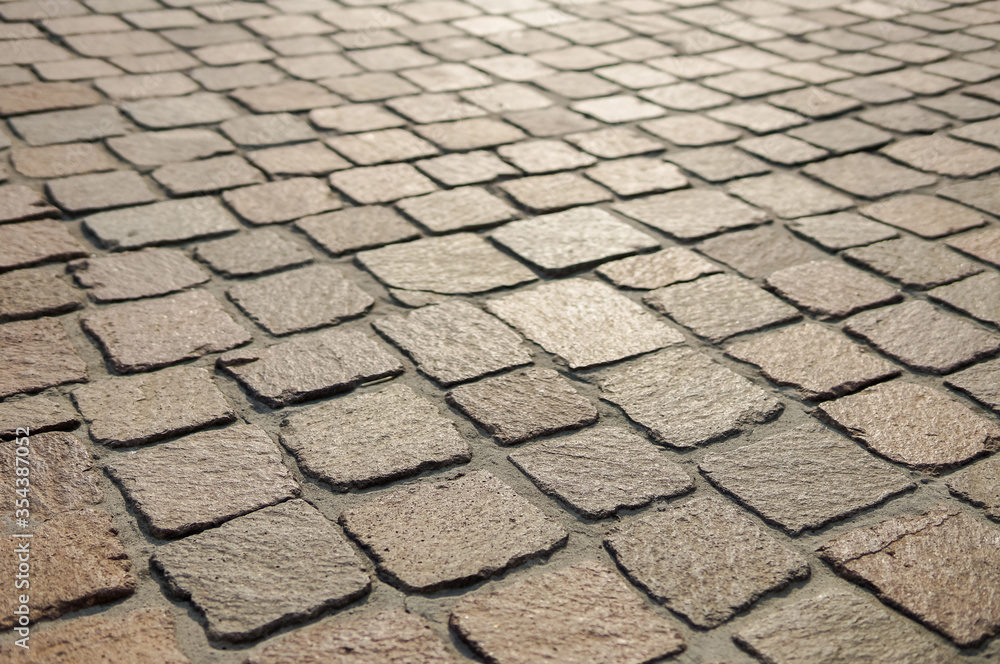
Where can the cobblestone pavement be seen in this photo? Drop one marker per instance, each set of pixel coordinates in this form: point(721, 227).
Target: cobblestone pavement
point(514, 331)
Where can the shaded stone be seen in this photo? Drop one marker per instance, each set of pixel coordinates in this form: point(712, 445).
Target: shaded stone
point(980, 383)
point(519, 406)
point(940, 567)
point(556, 620)
point(85, 124)
point(387, 145)
point(160, 223)
point(356, 228)
point(285, 200)
point(914, 425)
point(940, 154)
point(669, 266)
point(310, 366)
point(382, 184)
point(913, 263)
point(143, 409)
point(789, 196)
point(548, 193)
point(704, 559)
point(34, 242)
point(868, 175)
point(137, 274)
point(926, 216)
point(980, 194)
point(471, 134)
point(817, 361)
point(984, 245)
point(38, 414)
point(614, 142)
point(34, 293)
point(782, 149)
point(35, 355)
point(445, 533)
point(167, 147)
point(232, 576)
point(204, 479)
point(829, 289)
point(583, 322)
point(253, 252)
point(545, 156)
point(20, 203)
point(692, 213)
point(841, 230)
point(978, 296)
point(147, 335)
point(690, 130)
point(804, 478)
point(980, 485)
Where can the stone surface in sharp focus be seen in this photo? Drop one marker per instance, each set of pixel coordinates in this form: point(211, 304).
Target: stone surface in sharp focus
point(35, 355)
point(133, 275)
point(39, 414)
point(34, 293)
point(663, 268)
point(36, 242)
point(829, 289)
point(691, 214)
point(979, 382)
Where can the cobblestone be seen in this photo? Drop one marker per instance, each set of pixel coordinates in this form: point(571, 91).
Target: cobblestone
point(35, 355)
point(65, 481)
point(829, 289)
point(257, 252)
point(978, 485)
point(161, 223)
point(34, 293)
point(40, 414)
point(978, 381)
point(913, 263)
point(692, 214)
point(663, 268)
point(139, 274)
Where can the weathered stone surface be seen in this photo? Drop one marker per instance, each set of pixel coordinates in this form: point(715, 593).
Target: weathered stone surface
point(669, 266)
point(381, 184)
point(160, 223)
point(454, 264)
point(454, 342)
point(204, 479)
point(924, 337)
point(913, 262)
point(683, 398)
point(20, 203)
point(841, 230)
point(820, 363)
point(836, 627)
point(519, 406)
point(600, 471)
point(549, 193)
point(979, 382)
point(941, 567)
point(789, 196)
point(232, 576)
point(168, 147)
point(33, 97)
point(572, 240)
point(196, 109)
point(357, 228)
point(980, 194)
point(285, 200)
point(141, 336)
point(556, 620)
point(303, 159)
point(35, 242)
point(940, 154)
point(84, 562)
point(253, 252)
point(719, 164)
point(926, 216)
point(829, 289)
point(60, 160)
point(444, 533)
point(465, 208)
point(137, 274)
point(35, 355)
point(207, 175)
point(100, 191)
point(373, 438)
point(978, 296)
point(980, 485)
point(302, 299)
point(142, 636)
point(387, 637)
point(984, 245)
point(704, 559)
point(759, 251)
point(639, 175)
point(468, 168)
point(38, 414)
point(85, 124)
point(913, 425)
point(829, 477)
point(584, 322)
point(692, 213)
point(34, 293)
point(720, 306)
point(868, 175)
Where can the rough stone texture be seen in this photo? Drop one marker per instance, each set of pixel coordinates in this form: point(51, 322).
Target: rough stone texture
point(311, 366)
point(639, 175)
point(980, 194)
point(34, 293)
point(381, 184)
point(704, 559)
point(160, 223)
point(207, 175)
point(35, 242)
point(868, 175)
point(683, 398)
point(38, 414)
point(978, 296)
point(572, 240)
point(837, 627)
point(302, 299)
point(137, 274)
point(549, 193)
point(387, 637)
point(788, 196)
point(233, 578)
point(522, 405)
point(926, 216)
point(357, 228)
point(759, 251)
point(253, 253)
point(829, 476)
point(584, 322)
point(373, 438)
point(980, 485)
point(829, 289)
point(84, 562)
point(940, 154)
point(454, 264)
point(465, 208)
point(454, 342)
point(285, 200)
point(600, 471)
point(913, 424)
point(33, 97)
point(204, 479)
point(984, 245)
point(924, 337)
point(167, 147)
point(444, 533)
point(720, 306)
point(20, 203)
point(85, 124)
point(141, 336)
point(820, 363)
point(35, 355)
point(670, 266)
point(692, 213)
point(980, 383)
point(556, 620)
point(941, 567)
point(913, 263)
point(100, 191)
point(196, 109)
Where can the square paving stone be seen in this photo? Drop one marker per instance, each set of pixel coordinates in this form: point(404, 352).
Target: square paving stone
point(462, 263)
point(614, 142)
point(573, 240)
point(64, 479)
point(913, 263)
point(978, 296)
point(789, 196)
point(471, 134)
point(454, 342)
point(147, 335)
point(254, 252)
point(199, 108)
point(156, 148)
point(549, 193)
point(924, 337)
point(202, 480)
point(381, 184)
point(782, 149)
point(584, 322)
point(20, 203)
point(303, 299)
point(135, 410)
point(35, 293)
point(804, 478)
point(383, 146)
point(837, 627)
point(39, 414)
point(760, 251)
point(984, 245)
point(263, 130)
point(829, 289)
point(980, 194)
point(914, 425)
point(704, 559)
point(34, 97)
point(311, 366)
point(868, 175)
point(639, 175)
point(160, 223)
point(285, 200)
point(720, 306)
point(979, 382)
point(692, 213)
point(86, 124)
point(545, 156)
point(465, 208)
point(682, 398)
point(600, 471)
point(373, 438)
point(691, 130)
point(553, 616)
point(926, 216)
point(232, 576)
point(35, 355)
point(357, 228)
point(469, 168)
point(669, 266)
point(819, 362)
point(207, 175)
point(59, 160)
point(719, 164)
point(34, 242)
point(947, 156)
point(842, 135)
point(98, 191)
point(447, 533)
point(137, 274)
point(940, 567)
point(302, 159)
point(980, 485)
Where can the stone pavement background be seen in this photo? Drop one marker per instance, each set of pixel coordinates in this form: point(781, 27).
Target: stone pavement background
point(504, 330)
